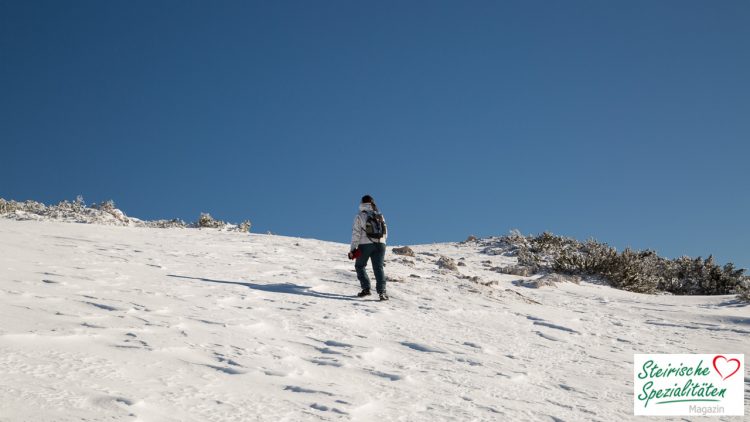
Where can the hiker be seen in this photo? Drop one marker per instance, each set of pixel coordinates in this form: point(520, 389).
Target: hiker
point(368, 241)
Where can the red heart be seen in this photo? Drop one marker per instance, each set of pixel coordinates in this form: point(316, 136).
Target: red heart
point(727, 361)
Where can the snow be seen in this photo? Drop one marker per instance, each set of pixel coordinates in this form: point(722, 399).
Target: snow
point(141, 324)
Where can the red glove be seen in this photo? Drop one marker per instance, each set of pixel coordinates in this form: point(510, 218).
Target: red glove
point(355, 254)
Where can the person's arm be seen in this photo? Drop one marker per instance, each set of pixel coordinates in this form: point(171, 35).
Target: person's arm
point(356, 233)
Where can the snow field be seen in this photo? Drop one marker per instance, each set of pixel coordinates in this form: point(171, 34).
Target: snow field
point(136, 324)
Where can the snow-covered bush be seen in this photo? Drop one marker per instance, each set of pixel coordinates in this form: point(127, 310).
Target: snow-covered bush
point(7, 206)
point(638, 271)
point(743, 292)
point(206, 221)
point(698, 276)
point(107, 206)
point(245, 226)
point(103, 213)
point(110, 208)
point(174, 223)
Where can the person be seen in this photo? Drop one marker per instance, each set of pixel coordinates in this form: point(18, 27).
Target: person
point(369, 235)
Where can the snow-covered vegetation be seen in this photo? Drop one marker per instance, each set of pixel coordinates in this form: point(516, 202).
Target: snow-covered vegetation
point(744, 291)
point(105, 213)
point(636, 271)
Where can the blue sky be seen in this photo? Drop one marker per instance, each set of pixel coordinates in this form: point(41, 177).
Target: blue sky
point(627, 121)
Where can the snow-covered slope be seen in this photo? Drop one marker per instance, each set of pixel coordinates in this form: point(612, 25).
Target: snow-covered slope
point(126, 324)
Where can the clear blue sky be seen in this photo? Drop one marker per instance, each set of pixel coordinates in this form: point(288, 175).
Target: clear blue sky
point(628, 121)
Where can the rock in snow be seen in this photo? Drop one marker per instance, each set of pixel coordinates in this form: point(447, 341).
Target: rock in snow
point(447, 263)
point(404, 250)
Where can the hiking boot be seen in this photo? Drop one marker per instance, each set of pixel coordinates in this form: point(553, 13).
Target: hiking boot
point(363, 293)
point(383, 296)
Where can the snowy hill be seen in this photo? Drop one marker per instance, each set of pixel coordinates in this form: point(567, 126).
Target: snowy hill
point(141, 324)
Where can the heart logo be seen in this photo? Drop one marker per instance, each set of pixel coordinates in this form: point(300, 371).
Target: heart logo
point(726, 365)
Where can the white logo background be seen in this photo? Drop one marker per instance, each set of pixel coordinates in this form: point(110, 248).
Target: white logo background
point(681, 393)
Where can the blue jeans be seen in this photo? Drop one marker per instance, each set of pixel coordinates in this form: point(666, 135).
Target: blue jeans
point(376, 251)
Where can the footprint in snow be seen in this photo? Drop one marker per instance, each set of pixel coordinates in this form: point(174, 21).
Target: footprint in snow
point(326, 362)
point(296, 389)
point(231, 362)
point(390, 377)
point(543, 323)
point(520, 377)
point(102, 306)
point(328, 351)
point(208, 322)
point(546, 336)
point(133, 343)
point(324, 408)
point(470, 362)
point(333, 343)
point(567, 388)
point(110, 402)
point(421, 348)
point(230, 371)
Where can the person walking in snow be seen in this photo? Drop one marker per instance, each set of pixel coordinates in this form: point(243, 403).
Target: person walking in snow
point(368, 242)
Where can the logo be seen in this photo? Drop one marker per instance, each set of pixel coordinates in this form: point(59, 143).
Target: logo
point(693, 385)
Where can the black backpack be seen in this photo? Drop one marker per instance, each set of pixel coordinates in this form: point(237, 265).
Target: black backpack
point(375, 225)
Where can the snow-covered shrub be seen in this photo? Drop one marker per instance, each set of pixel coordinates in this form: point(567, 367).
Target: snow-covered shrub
point(110, 208)
point(743, 293)
point(174, 223)
point(34, 207)
point(206, 221)
point(638, 271)
point(102, 213)
point(7, 206)
point(508, 245)
point(244, 227)
point(107, 206)
point(590, 257)
point(698, 276)
point(515, 237)
point(528, 258)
